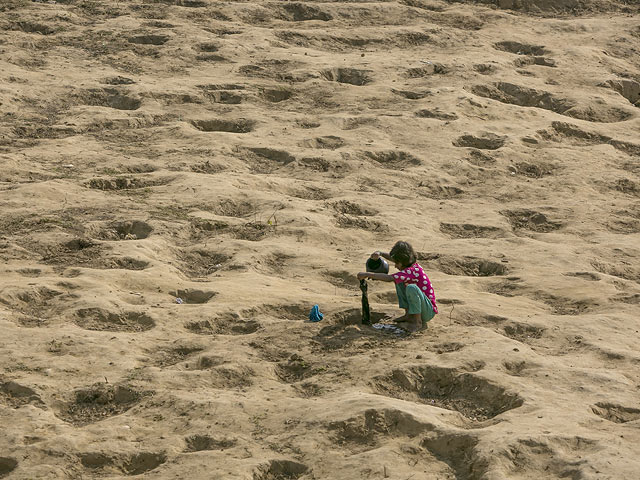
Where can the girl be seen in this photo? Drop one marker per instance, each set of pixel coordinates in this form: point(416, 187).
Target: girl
point(415, 292)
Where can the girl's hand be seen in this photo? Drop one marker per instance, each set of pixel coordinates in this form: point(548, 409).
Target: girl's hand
point(362, 275)
point(375, 255)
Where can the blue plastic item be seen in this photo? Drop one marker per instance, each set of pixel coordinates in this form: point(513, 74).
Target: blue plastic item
point(315, 315)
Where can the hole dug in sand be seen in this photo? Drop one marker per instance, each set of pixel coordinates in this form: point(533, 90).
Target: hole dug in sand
point(528, 97)
point(342, 279)
point(198, 443)
point(127, 230)
point(125, 183)
point(348, 221)
point(280, 470)
point(192, 3)
point(410, 95)
point(118, 80)
point(201, 263)
point(393, 159)
point(38, 302)
point(329, 142)
point(283, 312)
point(253, 231)
point(432, 69)
point(125, 263)
point(226, 324)
point(436, 114)
point(300, 12)
point(228, 207)
point(541, 61)
point(546, 457)
point(234, 377)
point(33, 27)
point(311, 193)
point(106, 321)
point(29, 272)
point(207, 362)
point(294, 370)
point(467, 230)
point(149, 39)
point(352, 208)
point(466, 266)
point(459, 452)
point(520, 48)
point(515, 368)
point(522, 332)
point(193, 296)
point(440, 192)
point(580, 137)
point(100, 401)
point(211, 57)
point(474, 397)
point(16, 395)
point(626, 186)
point(366, 431)
point(276, 95)
point(111, 98)
point(485, 68)
point(533, 169)
point(484, 141)
point(616, 413)
point(530, 220)
point(223, 96)
point(278, 156)
point(85, 253)
point(353, 316)
point(208, 47)
point(7, 465)
point(165, 357)
point(351, 76)
point(127, 463)
point(629, 89)
point(229, 126)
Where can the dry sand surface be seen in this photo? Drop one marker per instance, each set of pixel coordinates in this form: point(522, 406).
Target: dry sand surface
point(247, 157)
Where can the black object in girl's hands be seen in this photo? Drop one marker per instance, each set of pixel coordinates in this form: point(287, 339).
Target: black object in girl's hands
point(366, 312)
point(378, 265)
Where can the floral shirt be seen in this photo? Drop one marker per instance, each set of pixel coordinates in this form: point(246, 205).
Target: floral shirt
point(415, 275)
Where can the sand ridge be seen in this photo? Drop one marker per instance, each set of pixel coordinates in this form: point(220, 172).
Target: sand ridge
point(246, 158)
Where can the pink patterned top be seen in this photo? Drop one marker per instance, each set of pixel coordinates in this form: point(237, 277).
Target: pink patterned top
point(415, 275)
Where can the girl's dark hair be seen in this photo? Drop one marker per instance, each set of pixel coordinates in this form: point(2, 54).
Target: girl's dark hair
point(403, 254)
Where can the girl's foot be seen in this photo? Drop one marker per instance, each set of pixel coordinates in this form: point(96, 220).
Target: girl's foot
point(410, 326)
point(401, 319)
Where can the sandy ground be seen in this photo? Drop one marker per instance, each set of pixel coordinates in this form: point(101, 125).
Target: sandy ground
point(247, 157)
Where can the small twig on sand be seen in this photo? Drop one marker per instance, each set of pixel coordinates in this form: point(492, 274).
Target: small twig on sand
point(453, 305)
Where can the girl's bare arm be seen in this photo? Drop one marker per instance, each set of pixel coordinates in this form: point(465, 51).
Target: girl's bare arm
point(381, 254)
point(376, 276)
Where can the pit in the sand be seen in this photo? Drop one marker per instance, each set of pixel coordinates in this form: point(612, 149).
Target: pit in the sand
point(474, 397)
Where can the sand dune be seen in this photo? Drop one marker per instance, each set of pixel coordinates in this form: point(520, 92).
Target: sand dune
point(246, 158)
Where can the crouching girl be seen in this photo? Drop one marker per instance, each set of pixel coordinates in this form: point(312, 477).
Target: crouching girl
point(415, 292)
